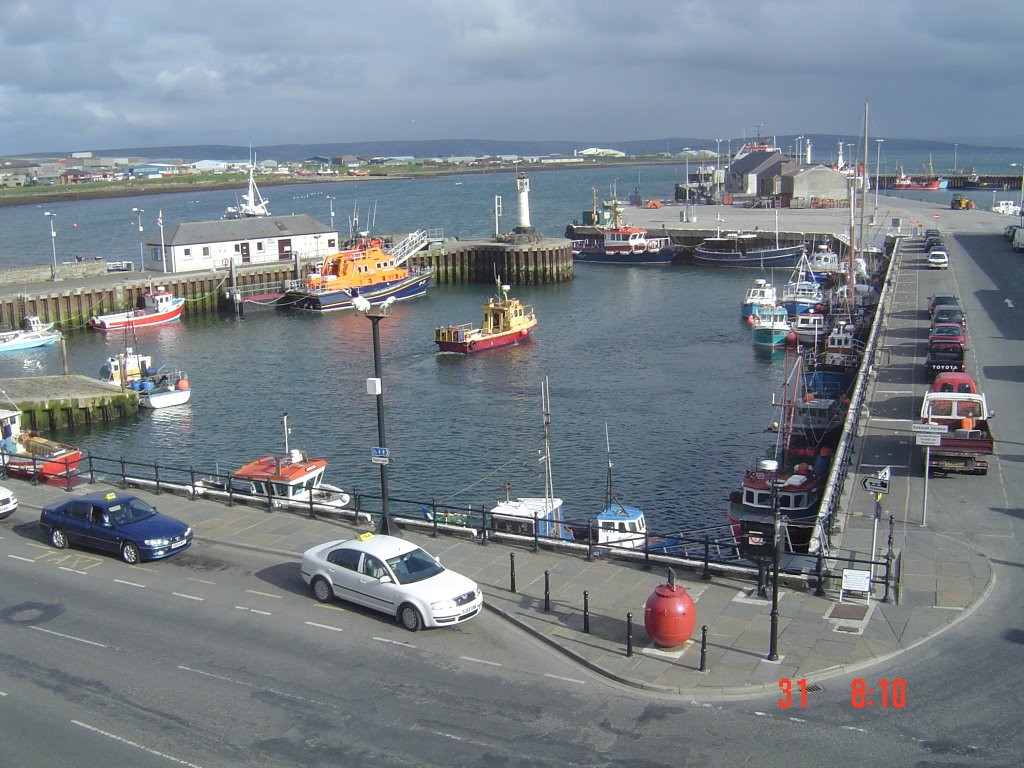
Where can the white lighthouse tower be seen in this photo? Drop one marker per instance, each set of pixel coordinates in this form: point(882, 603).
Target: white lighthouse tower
point(523, 187)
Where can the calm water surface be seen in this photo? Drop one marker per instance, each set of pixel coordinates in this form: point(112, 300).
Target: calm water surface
point(658, 354)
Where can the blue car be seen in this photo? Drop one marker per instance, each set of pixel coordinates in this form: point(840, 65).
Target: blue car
point(115, 522)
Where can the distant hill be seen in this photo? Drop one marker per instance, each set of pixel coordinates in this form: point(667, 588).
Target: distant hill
point(824, 145)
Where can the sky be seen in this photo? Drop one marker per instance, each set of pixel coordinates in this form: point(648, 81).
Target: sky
point(102, 74)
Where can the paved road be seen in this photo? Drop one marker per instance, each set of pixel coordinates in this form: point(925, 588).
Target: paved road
point(254, 674)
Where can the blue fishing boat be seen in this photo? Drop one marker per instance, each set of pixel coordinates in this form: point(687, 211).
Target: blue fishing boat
point(760, 294)
point(803, 292)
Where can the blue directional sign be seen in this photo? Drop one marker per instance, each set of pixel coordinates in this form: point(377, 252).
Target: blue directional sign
point(379, 452)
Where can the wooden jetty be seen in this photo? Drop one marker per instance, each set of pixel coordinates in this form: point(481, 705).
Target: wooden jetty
point(49, 403)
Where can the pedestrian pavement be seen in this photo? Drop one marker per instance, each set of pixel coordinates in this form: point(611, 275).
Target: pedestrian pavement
point(941, 580)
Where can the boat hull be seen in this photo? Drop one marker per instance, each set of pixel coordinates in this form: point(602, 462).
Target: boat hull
point(770, 337)
point(484, 343)
point(164, 399)
point(30, 340)
point(760, 258)
point(329, 300)
point(602, 256)
point(44, 468)
point(137, 319)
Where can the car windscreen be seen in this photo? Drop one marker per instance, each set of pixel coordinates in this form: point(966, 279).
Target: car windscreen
point(130, 511)
point(415, 565)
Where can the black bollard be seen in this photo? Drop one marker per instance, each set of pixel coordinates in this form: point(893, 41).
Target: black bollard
point(586, 612)
point(819, 590)
point(629, 634)
point(547, 591)
point(703, 649)
point(312, 512)
point(512, 571)
point(706, 576)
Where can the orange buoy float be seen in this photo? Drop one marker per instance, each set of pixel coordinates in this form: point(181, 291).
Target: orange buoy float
point(669, 614)
point(182, 384)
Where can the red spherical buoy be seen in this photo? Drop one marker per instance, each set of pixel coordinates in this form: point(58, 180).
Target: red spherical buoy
point(791, 338)
point(182, 384)
point(669, 615)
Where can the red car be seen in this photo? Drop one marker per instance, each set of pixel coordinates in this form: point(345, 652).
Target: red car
point(948, 332)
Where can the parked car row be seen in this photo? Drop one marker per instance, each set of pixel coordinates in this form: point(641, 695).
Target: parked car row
point(947, 336)
point(938, 258)
point(384, 573)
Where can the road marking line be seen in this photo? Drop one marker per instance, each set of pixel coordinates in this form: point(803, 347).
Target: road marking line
point(23, 559)
point(394, 642)
point(71, 637)
point(3, 693)
point(201, 581)
point(252, 610)
point(263, 594)
point(72, 570)
point(565, 679)
point(323, 626)
point(130, 583)
point(39, 546)
point(130, 743)
point(188, 597)
point(480, 661)
point(216, 677)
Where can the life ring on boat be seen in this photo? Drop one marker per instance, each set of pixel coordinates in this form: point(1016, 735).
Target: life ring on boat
point(472, 346)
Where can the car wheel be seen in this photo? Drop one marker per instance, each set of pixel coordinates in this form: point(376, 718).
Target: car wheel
point(58, 539)
point(322, 589)
point(410, 617)
point(129, 553)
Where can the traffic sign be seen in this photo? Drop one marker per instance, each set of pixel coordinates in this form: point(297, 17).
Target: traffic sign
point(874, 485)
point(380, 452)
point(933, 429)
point(923, 439)
point(884, 474)
point(380, 459)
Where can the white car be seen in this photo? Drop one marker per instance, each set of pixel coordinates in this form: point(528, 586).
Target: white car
point(8, 502)
point(937, 259)
point(393, 576)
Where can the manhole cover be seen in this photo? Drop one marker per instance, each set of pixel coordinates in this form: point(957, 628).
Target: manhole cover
point(850, 611)
point(851, 630)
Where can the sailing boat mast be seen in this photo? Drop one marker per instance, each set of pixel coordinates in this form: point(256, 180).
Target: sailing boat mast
point(549, 491)
point(851, 279)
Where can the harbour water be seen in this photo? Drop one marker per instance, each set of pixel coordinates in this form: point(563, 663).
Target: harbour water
point(659, 354)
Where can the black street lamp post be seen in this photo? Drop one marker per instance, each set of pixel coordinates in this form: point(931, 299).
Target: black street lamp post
point(375, 387)
point(771, 469)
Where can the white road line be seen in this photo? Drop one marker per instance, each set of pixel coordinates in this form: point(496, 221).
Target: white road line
point(71, 570)
point(565, 679)
point(480, 661)
point(70, 637)
point(263, 594)
point(252, 610)
point(323, 626)
point(329, 607)
point(216, 677)
point(188, 597)
point(853, 728)
point(23, 559)
point(130, 743)
point(394, 642)
point(3, 693)
point(129, 583)
point(202, 581)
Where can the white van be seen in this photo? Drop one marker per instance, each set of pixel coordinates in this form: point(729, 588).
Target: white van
point(1018, 239)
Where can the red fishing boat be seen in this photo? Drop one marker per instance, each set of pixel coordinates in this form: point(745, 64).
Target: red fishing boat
point(506, 321)
point(158, 307)
point(26, 454)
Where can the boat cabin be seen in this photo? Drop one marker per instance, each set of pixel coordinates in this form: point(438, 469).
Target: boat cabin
point(622, 526)
point(287, 478)
point(532, 516)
